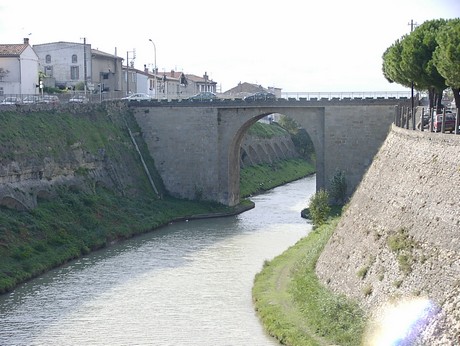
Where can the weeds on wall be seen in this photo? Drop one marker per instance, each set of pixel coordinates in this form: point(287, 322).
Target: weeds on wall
point(402, 244)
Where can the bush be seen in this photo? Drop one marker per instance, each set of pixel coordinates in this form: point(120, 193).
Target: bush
point(339, 187)
point(319, 207)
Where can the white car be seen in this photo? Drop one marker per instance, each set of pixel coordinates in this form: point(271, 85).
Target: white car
point(137, 97)
point(79, 99)
point(32, 99)
point(11, 100)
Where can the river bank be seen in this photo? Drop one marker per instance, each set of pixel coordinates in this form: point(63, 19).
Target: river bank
point(295, 308)
point(32, 242)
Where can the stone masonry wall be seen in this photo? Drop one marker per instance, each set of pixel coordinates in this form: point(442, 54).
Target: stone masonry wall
point(399, 236)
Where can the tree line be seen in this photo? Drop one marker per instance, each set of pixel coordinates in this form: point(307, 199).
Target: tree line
point(427, 59)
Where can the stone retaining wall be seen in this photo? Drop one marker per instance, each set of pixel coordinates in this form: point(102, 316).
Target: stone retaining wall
point(399, 236)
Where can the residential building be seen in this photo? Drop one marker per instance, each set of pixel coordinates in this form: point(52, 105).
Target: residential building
point(106, 71)
point(166, 85)
point(172, 85)
point(66, 64)
point(178, 85)
point(18, 69)
point(245, 89)
point(137, 81)
point(199, 84)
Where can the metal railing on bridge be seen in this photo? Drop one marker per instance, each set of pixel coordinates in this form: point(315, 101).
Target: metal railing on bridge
point(340, 95)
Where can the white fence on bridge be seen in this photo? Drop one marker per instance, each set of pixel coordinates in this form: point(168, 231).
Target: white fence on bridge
point(328, 95)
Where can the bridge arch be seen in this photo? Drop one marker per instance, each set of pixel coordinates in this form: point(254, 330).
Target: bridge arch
point(313, 117)
point(234, 158)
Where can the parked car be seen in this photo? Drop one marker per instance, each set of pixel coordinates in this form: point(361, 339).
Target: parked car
point(137, 97)
point(260, 95)
point(203, 96)
point(32, 99)
point(79, 99)
point(449, 124)
point(11, 100)
point(50, 99)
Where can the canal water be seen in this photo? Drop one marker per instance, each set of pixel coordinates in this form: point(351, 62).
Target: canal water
point(185, 284)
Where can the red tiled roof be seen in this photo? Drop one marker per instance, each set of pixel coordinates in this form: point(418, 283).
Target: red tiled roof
point(12, 49)
point(245, 88)
point(171, 75)
point(198, 79)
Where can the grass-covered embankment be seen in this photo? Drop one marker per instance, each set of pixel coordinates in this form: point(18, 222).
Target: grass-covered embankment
point(75, 223)
point(295, 307)
point(256, 179)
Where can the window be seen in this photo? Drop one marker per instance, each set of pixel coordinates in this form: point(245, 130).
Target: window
point(74, 59)
point(1, 91)
point(74, 73)
point(48, 59)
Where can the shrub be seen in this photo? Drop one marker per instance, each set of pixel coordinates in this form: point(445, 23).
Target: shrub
point(339, 187)
point(319, 207)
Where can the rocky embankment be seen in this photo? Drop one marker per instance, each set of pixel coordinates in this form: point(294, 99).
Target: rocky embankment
point(256, 150)
point(399, 237)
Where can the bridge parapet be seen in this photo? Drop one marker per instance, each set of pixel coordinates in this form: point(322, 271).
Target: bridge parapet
point(280, 102)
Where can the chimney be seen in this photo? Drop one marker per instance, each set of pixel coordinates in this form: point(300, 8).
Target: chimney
point(172, 74)
point(26, 40)
point(146, 70)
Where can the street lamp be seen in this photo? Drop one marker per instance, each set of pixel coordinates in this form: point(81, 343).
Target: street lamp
point(155, 69)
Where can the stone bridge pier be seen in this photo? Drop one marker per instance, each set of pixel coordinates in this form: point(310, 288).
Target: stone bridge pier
point(196, 148)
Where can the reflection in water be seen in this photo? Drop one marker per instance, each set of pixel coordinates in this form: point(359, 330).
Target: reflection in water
point(186, 284)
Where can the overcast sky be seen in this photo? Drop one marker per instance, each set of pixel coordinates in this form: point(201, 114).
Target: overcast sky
point(296, 45)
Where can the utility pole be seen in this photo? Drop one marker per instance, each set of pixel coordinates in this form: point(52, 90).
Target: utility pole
point(84, 63)
point(127, 68)
point(155, 69)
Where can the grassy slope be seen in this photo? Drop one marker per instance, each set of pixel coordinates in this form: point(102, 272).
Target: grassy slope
point(261, 178)
point(33, 242)
point(295, 307)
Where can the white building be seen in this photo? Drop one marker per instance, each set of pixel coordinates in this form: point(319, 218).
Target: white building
point(18, 69)
point(66, 64)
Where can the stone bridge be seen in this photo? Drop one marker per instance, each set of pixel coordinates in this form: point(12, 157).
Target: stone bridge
point(196, 145)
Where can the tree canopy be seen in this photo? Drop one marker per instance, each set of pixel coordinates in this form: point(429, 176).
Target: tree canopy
point(447, 56)
point(428, 57)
